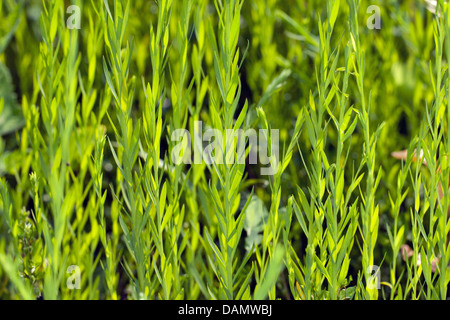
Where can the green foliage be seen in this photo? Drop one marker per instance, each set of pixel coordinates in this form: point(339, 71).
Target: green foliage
point(90, 147)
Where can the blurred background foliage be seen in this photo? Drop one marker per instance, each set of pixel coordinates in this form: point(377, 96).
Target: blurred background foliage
point(282, 37)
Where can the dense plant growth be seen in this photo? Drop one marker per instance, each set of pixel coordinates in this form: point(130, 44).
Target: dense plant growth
point(224, 149)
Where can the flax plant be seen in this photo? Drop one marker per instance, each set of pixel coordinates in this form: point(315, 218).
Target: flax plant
point(122, 87)
point(102, 197)
point(194, 252)
point(369, 210)
point(227, 168)
point(59, 125)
